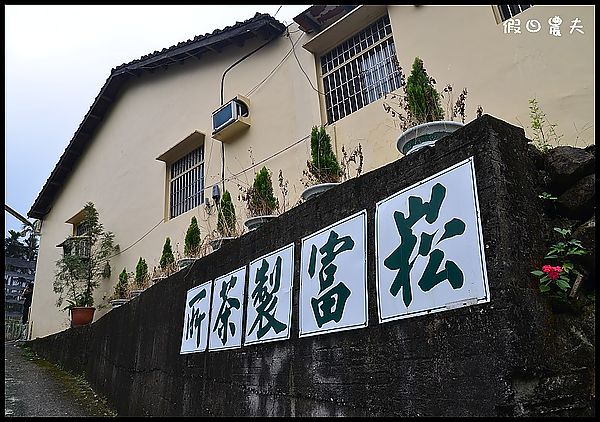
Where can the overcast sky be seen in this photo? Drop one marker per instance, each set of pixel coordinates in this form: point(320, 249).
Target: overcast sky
point(57, 58)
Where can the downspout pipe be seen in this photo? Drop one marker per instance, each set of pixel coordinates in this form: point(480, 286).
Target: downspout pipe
point(222, 100)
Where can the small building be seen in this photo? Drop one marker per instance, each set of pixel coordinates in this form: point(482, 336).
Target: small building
point(149, 151)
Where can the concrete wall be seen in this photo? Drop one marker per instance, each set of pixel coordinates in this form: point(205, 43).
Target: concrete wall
point(461, 45)
point(491, 359)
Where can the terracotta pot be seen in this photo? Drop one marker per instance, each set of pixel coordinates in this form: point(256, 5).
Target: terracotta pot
point(82, 316)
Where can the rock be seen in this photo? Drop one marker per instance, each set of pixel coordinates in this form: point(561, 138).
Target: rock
point(586, 233)
point(578, 201)
point(567, 165)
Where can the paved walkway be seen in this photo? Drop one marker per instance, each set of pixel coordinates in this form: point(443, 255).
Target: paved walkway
point(34, 387)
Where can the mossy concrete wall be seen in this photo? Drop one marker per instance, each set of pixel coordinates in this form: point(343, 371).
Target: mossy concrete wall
point(493, 359)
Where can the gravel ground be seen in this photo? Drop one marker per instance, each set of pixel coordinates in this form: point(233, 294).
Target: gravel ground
point(35, 387)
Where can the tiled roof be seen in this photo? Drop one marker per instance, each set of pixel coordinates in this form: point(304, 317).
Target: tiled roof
point(261, 24)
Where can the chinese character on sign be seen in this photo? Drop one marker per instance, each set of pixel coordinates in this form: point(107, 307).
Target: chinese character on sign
point(555, 25)
point(576, 26)
point(428, 246)
point(333, 294)
point(270, 303)
point(195, 322)
point(512, 25)
point(222, 324)
point(330, 305)
point(226, 313)
point(533, 25)
point(399, 258)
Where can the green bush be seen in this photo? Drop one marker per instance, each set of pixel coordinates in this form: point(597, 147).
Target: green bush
point(141, 273)
point(167, 258)
point(424, 101)
point(121, 287)
point(226, 218)
point(192, 239)
point(259, 198)
point(324, 166)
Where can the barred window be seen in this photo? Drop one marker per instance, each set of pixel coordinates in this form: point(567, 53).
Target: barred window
point(187, 182)
point(360, 70)
point(507, 11)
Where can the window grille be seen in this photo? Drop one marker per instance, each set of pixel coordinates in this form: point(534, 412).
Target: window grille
point(507, 11)
point(360, 70)
point(187, 182)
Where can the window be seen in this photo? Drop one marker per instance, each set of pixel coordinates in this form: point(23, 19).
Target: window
point(507, 11)
point(360, 70)
point(187, 182)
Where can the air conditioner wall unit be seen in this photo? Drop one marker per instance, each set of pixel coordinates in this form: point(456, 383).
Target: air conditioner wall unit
point(232, 118)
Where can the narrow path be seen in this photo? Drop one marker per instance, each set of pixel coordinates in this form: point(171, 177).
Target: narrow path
point(35, 387)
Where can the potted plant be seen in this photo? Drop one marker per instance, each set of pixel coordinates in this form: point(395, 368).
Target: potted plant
point(192, 245)
point(226, 222)
point(260, 201)
point(83, 264)
point(324, 170)
point(166, 265)
point(422, 115)
point(141, 280)
point(121, 288)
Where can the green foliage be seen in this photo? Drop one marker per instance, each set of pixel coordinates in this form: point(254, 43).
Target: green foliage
point(192, 239)
point(324, 166)
point(547, 196)
point(259, 198)
point(226, 217)
point(121, 286)
point(424, 101)
point(556, 280)
point(27, 248)
point(544, 133)
point(141, 273)
point(84, 262)
point(167, 258)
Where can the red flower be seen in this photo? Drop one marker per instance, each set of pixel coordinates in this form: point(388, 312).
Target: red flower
point(553, 272)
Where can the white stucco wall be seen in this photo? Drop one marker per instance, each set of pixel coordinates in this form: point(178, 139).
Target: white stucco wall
point(459, 45)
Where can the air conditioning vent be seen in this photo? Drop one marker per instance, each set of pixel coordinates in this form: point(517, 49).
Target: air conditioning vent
point(231, 119)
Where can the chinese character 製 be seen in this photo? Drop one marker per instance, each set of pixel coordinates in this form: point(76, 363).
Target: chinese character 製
point(265, 300)
point(576, 26)
point(330, 305)
point(512, 25)
point(554, 23)
point(399, 258)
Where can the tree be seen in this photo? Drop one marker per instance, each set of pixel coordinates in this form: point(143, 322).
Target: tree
point(13, 247)
point(121, 287)
point(424, 101)
point(141, 273)
point(259, 197)
point(324, 166)
point(192, 239)
point(79, 270)
point(167, 258)
point(226, 218)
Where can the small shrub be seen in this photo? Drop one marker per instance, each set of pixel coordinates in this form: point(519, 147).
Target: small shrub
point(192, 239)
point(141, 273)
point(167, 258)
point(226, 218)
point(122, 285)
point(323, 166)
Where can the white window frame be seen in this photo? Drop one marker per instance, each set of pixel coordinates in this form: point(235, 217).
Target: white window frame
point(184, 176)
point(359, 70)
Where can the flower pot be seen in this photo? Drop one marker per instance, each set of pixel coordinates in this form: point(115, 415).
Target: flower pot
point(217, 243)
point(82, 316)
point(316, 190)
point(115, 303)
point(185, 262)
point(255, 222)
point(135, 293)
point(425, 135)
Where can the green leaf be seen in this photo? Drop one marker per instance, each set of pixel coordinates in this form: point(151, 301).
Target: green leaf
point(550, 256)
point(545, 278)
point(544, 288)
point(538, 273)
point(563, 285)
